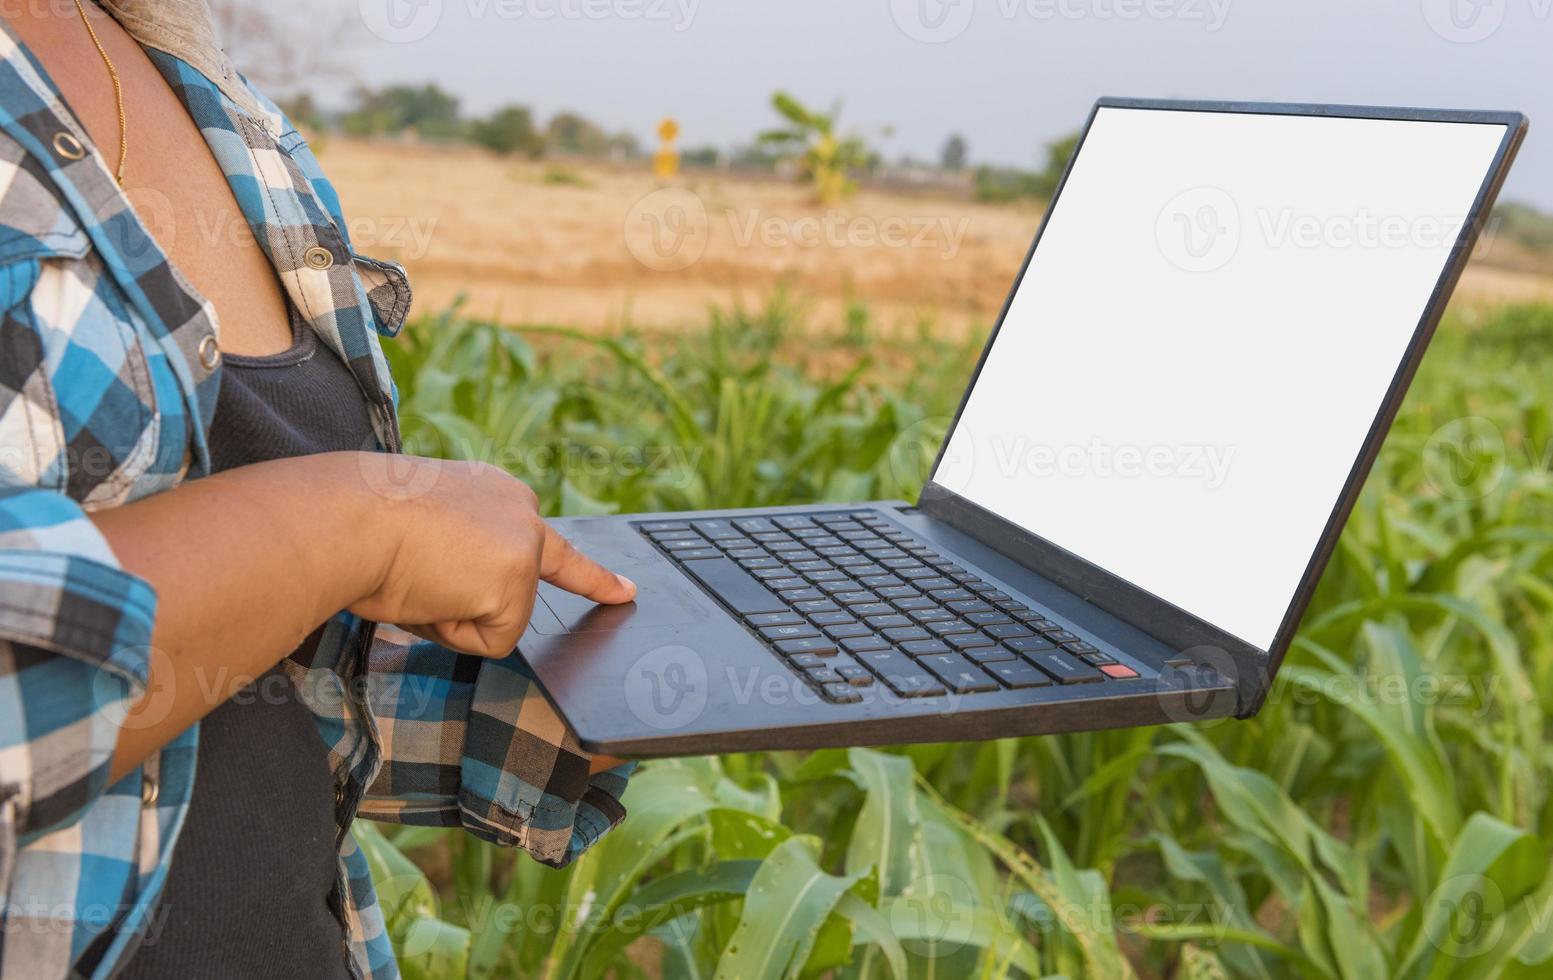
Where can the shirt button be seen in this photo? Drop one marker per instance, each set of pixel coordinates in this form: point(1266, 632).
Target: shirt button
point(149, 790)
point(318, 258)
point(210, 352)
point(67, 146)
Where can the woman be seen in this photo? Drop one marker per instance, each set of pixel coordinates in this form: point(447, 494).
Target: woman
point(198, 528)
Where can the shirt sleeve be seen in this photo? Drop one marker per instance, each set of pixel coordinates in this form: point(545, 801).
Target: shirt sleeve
point(75, 642)
point(471, 742)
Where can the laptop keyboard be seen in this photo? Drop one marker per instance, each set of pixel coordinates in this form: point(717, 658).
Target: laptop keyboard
point(848, 601)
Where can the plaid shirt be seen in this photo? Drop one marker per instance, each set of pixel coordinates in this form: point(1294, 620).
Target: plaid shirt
point(108, 376)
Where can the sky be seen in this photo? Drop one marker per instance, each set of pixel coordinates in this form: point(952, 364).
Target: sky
point(1010, 75)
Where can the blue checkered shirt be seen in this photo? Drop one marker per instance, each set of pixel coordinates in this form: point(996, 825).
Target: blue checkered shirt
point(108, 379)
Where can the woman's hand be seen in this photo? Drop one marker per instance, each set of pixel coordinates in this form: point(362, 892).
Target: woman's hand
point(469, 549)
point(248, 562)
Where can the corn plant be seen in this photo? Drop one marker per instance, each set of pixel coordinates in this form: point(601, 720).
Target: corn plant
point(1386, 815)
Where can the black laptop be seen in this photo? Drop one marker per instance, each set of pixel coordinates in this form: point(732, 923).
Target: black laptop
point(1147, 473)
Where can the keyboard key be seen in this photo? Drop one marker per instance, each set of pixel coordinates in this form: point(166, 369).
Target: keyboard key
point(1079, 647)
point(775, 619)
point(717, 529)
point(1007, 631)
point(914, 685)
point(914, 602)
point(808, 566)
point(902, 634)
point(789, 632)
point(837, 618)
point(847, 630)
point(950, 627)
point(964, 641)
point(765, 573)
point(844, 585)
point(823, 675)
point(696, 554)
point(841, 693)
point(827, 575)
point(1061, 636)
point(872, 609)
point(754, 525)
point(949, 595)
point(800, 595)
point(1064, 667)
point(959, 674)
point(856, 676)
point(937, 582)
point(855, 598)
point(1019, 675)
point(746, 552)
point(898, 592)
point(991, 618)
point(792, 522)
point(734, 586)
point(847, 561)
point(967, 606)
point(880, 581)
point(682, 533)
point(793, 649)
point(924, 648)
point(916, 575)
point(864, 644)
point(930, 614)
point(1119, 672)
point(654, 527)
point(888, 621)
point(989, 655)
point(1029, 644)
point(764, 564)
point(813, 606)
point(790, 582)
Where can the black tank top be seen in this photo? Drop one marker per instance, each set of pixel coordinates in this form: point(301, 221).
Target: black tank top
point(251, 887)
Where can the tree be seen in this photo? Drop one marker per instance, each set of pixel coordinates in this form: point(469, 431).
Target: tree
point(955, 154)
point(509, 129)
point(572, 133)
point(824, 158)
point(427, 109)
point(282, 45)
point(1058, 152)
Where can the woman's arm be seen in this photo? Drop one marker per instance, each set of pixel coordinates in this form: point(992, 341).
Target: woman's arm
point(248, 562)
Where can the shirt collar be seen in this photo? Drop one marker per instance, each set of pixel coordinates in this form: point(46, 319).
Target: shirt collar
point(185, 30)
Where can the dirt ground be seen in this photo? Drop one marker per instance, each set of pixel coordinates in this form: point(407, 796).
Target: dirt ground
point(597, 246)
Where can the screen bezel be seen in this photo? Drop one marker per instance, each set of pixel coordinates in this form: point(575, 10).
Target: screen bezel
point(1180, 629)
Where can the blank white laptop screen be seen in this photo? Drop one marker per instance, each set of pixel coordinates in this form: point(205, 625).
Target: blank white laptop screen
point(1204, 335)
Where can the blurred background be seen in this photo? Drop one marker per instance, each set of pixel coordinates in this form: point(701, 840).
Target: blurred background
point(673, 254)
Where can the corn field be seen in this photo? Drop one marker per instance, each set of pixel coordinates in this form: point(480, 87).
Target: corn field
point(1386, 815)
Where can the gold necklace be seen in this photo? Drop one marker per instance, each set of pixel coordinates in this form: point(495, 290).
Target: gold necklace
point(118, 93)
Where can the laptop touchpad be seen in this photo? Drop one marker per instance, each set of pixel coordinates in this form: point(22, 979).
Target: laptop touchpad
point(657, 604)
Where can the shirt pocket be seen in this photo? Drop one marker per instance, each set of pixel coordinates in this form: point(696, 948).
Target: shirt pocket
point(77, 393)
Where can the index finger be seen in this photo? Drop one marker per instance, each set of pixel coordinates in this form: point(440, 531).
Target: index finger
point(564, 567)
